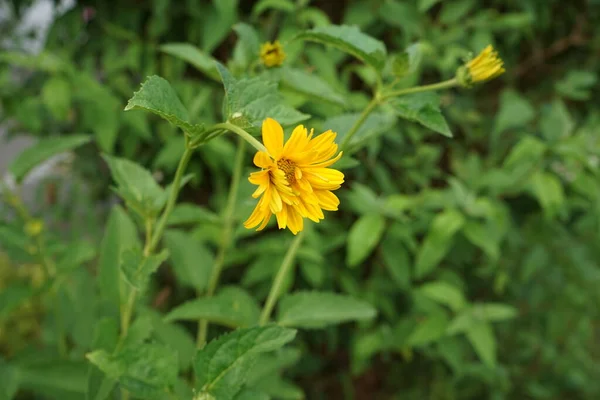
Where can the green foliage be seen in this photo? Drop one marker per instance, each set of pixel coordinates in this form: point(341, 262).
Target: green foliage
point(462, 262)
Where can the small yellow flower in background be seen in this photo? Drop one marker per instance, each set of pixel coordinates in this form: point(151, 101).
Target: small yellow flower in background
point(272, 54)
point(34, 227)
point(486, 66)
point(294, 182)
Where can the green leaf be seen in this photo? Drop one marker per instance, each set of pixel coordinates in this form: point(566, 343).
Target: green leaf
point(406, 62)
point(515, 111)
point(54, 378)
point(556, 122)
point(430, 329)
point(444, 293)
point(247, 47)
point(42, 151)
point(260, 7)
point(315, 310)
point(375, 124)
point(232, 307)
point(397, 260)
point(120, 235)
point(363, 237)
point(481, 336)
point(202, 61)
point(137, 269)
point(222, 366)
point(423, 108)
point(549, 192)
point(146, 370)
point(56, 94)
point(351, 40)
point(250, 100)
point(157, 96)
point(577, 85)
point(311, 85)
point(136, 186)
point(527, 152)
point(438, 241)
point(191, 260)
point(187, 213)
point(494, 312)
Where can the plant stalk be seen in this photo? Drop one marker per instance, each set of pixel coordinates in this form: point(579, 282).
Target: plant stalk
point(245, 135)
point(226, 236)
point(282, 273)
point(361, 120)
point(425, 88)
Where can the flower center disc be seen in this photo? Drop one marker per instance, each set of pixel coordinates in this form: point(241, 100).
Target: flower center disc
point(289, 169)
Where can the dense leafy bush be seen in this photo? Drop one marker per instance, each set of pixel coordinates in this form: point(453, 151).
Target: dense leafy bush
point(462, 262)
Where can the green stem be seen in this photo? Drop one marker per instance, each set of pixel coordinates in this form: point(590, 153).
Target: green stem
point(162, 223)
point(228, 219)
point(361, 120)
point(284, 270)
point(245, 135)
point(153, 239)
point(435, 86)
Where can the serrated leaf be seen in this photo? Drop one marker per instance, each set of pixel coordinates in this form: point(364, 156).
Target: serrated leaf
point(191, 260)
point(311, 85)
point(137, 269)
point(438, 240)
point(250, 100)
point(444, 293)
point(202, 61)
point(247, 47)
point(42, 151)
point(157, 96)
point(423, 108)
point(351, 40)
point(146, 370)
point(106, 334)
point(314, 310)
point(364, 235)
point(232, 307)
point(515, 111)
point(221, 367)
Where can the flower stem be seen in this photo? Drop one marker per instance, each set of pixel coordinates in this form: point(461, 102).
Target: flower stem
point(228, 218)
point(282, 273)
point(245, 135)
point(361, 120)
point(425, 88)
point(155, 237)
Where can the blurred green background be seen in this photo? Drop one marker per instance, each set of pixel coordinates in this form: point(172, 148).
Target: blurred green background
point(480, 252)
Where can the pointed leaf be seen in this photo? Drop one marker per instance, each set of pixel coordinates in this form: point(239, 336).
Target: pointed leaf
point(232, 307)
point(363, 237)
point(157, 96)
point(191, 260)
point(42, 151)
point(483, 341)
point(222, 366)
point(351, 40)
point(202, 61)
point(313, 310)
point(250, 101)
point(311, 85)
point(423, 108)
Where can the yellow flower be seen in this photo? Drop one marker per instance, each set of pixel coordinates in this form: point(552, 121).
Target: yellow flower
point(34, 227)
point(487, 65)
point(294, 181)
point(272, 54)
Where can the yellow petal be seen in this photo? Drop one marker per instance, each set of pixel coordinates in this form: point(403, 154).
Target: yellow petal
point(262, 160)
point(272, 134)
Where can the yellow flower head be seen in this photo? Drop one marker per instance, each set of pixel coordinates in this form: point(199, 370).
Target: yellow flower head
point(272, 54)
point(487, 65)
point(294, 182)
point(34, 227)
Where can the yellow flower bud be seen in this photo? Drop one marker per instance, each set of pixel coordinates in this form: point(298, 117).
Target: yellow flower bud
point(486, 66)
point(34, 227)
point(272, 54)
